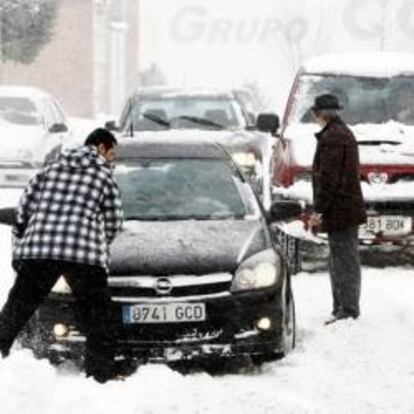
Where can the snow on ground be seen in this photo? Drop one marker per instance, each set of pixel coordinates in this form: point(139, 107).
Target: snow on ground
point(364, 366)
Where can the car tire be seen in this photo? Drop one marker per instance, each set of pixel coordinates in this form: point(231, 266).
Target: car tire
point(288, 336)
point(289, 329)
point(31, 338)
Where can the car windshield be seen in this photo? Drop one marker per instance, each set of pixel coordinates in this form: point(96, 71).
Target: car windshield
point(183, 189)
point(184, 112)
point(365, 100)
point(16, 110)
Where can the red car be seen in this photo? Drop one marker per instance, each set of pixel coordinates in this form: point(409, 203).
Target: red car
point(377, 92)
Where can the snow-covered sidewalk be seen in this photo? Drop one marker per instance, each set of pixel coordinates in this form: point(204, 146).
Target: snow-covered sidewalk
point(364, 366)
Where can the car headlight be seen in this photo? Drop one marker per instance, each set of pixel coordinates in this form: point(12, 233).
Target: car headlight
point(62, 287)
point(377, 178)
point(259, 271)
point(245, 159)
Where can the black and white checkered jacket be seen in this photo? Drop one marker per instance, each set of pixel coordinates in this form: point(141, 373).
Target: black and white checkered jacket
point(69, 211)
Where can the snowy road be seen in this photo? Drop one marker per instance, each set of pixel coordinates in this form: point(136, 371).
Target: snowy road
point(351, 367)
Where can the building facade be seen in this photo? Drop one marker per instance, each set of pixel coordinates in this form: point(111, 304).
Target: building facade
point(92, 60)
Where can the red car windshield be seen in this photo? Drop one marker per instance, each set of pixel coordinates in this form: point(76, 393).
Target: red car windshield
point(365, 100)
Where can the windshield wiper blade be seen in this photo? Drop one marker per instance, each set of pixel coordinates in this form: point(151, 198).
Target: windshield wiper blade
point(202, 121)
point(156, 119)
point(378, 142)
point(184, 218)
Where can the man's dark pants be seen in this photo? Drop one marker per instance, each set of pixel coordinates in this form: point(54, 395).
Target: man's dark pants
point(35, 279)
point(345, 271)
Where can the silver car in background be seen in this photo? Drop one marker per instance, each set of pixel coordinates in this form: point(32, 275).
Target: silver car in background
point(32, 124)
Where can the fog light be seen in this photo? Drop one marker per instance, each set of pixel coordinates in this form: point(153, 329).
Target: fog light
point(264, 324)
point(60, 330)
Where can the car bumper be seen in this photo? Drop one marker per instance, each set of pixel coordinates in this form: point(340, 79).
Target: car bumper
point(230, 330)
point(389, 206)
point(16, 177)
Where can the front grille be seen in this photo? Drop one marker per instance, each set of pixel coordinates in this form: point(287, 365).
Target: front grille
point(404, 208)
point(401, 178)
point(136, 287)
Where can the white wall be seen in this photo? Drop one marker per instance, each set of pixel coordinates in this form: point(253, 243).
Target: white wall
point(231, 41)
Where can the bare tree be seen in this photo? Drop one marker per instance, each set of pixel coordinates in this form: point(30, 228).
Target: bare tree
point(25, 27)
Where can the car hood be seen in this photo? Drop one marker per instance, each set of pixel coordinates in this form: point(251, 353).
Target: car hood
point(379, 144)
point(185, 247)
point(233, 140)
point(21, 143)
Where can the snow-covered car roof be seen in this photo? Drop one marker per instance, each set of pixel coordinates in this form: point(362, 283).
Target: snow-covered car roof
point(170, 92)
point(369, 64)
point(157, 148)
point(22, 92)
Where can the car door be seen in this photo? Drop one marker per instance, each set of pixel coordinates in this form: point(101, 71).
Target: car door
point(54, 117)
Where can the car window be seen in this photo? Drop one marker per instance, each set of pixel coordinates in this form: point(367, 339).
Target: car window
point(19, 110)
point(48, 112)
point(181, 189)
point(58, 112)
point(195, 112)
point(365, 100)
point(54, 115)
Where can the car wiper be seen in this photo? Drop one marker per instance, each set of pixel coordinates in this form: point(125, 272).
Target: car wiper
point(378, 142)
point(201, 121)
point(144, 218)
point(227, 217)
point(156, 119)
point(184, 218)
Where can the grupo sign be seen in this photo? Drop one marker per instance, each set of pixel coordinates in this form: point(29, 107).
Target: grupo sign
point(361, 19)
point(196, 23)
point(381, 13)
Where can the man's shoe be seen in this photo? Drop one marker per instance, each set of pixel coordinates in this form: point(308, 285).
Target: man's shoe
point(5, 348)
point(339, 317)
point(4, 352)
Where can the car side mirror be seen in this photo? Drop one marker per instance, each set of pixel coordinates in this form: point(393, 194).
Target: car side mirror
point(58, 128)
point(268, 123)
point(282, 210)
point(7, 216)
point(111, 126)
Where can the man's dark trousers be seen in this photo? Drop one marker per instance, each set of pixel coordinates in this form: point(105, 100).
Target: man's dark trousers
point(89, 285)
point(345, 271)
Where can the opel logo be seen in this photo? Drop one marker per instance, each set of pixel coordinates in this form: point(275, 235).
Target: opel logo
point(163, 286)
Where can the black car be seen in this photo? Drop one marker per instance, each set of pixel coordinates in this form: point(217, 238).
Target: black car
point(195, 273)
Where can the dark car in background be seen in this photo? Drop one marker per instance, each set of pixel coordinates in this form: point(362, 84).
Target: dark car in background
point(204, 114)
point(196, 272)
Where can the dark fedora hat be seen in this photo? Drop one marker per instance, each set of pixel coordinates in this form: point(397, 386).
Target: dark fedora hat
point(326, 101)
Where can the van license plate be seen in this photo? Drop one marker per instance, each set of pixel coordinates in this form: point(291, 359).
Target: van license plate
point(168, 313)
point(390, 225)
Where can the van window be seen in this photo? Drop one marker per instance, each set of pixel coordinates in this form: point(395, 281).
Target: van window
point(366, 100)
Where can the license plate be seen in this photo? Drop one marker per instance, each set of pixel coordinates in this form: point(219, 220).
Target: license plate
point(389, 225)
point(164, 313)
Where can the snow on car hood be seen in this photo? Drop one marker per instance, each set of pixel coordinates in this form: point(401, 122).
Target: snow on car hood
point(398, 192)
point(369, 136)
point(185, 247)
point(21, 142)
point(234, 140)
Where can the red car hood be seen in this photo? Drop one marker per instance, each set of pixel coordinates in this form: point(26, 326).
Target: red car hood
point(390, 144)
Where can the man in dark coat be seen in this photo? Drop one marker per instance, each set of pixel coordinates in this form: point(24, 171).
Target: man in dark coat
point(67, 217)
point(338, 203)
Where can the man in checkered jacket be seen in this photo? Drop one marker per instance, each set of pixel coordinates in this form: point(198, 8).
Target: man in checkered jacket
point(67, 218)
